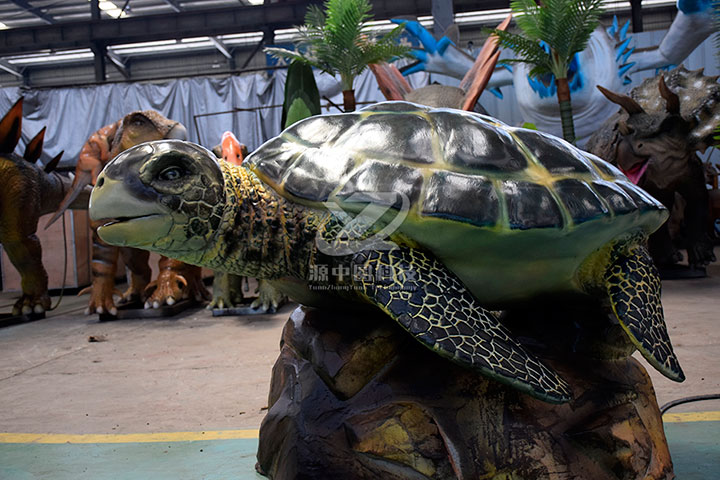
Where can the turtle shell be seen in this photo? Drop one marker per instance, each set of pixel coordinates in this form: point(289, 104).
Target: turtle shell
point(513, 212)
point(449, 164)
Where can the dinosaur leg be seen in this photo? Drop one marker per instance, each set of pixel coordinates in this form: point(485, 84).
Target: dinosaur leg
point(269, 298)
point(660, 244)
point(227, 291)
point(433, 305)
point(696, 213)
point(633, 285)
point(104, 266)
point(136, 262)
point(176, 281)
point(25, 253)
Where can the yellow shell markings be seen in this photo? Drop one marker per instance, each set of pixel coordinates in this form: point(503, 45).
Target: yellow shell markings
point(535, 172)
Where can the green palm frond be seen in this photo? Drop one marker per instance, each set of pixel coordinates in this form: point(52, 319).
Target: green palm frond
point(564, 25)
point(337, 40)
point(576, 26)
point(526, 51)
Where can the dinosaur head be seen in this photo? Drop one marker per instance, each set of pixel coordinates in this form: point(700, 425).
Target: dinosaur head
point(653, 143)
point(146, 126)
point(165, 196)
point(133, 129)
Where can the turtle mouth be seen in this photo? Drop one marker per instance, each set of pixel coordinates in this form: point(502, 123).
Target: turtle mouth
point(106, 222)
point(135, 231)
point(636, 172)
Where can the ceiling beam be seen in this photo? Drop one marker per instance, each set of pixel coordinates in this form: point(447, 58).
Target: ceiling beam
point(174, 5)
point(196, 23)
point(4, 65)
point(118, 63)
point(34, 10)
point(222, 48)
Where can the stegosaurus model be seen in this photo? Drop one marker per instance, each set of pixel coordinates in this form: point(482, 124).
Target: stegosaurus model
point(176, 280)
point(654, 138)
point(29, 191)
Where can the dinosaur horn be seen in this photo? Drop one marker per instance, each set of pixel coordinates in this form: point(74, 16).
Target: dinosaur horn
point(11, 127)
point(626, 102)
point(34, 148)
point(391, 82)
point(476, 79)
point(82, 179)
point(52, 164)
point(672, 101)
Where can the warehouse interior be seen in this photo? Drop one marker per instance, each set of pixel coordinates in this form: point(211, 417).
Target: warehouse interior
point(178, 392)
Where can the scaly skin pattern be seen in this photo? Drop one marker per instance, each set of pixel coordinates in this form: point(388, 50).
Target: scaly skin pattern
point(177, 199)
point(256, 232)
point(248, 229)
point(263, 235)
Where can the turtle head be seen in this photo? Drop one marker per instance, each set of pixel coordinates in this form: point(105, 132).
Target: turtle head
point(166, 196)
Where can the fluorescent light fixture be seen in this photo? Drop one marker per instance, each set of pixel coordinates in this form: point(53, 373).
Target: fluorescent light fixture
point(111, 9)
point(3, 26)
point(487, 17)
point(256, 2)
point(52, 58)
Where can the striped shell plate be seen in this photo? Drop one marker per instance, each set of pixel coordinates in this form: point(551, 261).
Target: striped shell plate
point(456, 165)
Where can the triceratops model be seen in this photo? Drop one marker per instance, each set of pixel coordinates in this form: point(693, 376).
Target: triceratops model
point(653, 139)
point(100, 148)
point(28, 192)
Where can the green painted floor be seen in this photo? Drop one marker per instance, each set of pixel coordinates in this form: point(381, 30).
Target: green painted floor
point(695, 448)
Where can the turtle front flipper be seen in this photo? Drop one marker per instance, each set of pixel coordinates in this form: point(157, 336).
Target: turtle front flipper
point(431, 303)
point(633, 284)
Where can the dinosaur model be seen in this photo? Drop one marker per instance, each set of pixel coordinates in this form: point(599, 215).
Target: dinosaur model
point(176, 280)
point(227, 287)
point(653, 139)
point(29, 191)
point(457, 213)
point(609, 60)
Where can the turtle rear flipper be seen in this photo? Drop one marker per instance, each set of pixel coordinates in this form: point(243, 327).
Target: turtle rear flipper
point(433, 305)
point(633, 285)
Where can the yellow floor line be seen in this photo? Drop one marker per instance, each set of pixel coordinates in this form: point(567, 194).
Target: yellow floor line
point(127, 438)
point(691, 417)
point(57, 438)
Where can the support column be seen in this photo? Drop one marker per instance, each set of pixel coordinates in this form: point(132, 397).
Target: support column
point(442, 12)
point(636, 12)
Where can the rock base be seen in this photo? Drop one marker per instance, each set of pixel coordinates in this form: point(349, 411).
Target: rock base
point(355, 397)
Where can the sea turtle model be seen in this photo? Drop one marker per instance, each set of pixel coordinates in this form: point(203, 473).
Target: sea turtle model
point(455, 213)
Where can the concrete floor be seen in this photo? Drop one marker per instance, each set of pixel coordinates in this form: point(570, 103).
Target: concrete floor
point(198, 373)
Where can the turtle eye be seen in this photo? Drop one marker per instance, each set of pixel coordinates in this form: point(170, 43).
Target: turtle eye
point(171, 173)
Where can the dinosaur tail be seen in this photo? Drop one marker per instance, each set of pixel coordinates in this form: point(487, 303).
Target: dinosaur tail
point(82, 179)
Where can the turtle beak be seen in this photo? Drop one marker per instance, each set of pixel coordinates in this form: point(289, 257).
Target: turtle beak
point(124, 219)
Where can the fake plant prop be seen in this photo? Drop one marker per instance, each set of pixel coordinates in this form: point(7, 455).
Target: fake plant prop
point(336, 39)
point(302, 98)
point(459, 213)
point(552, 34)
point(175, 280)
point(610, 59)
point(654, 138)
point(29, 191)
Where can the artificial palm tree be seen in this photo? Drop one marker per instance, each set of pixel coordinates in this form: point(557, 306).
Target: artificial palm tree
point(564, 27)
point(336, 39)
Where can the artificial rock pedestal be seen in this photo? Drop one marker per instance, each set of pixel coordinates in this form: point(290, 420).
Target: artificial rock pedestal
point(355, 397)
